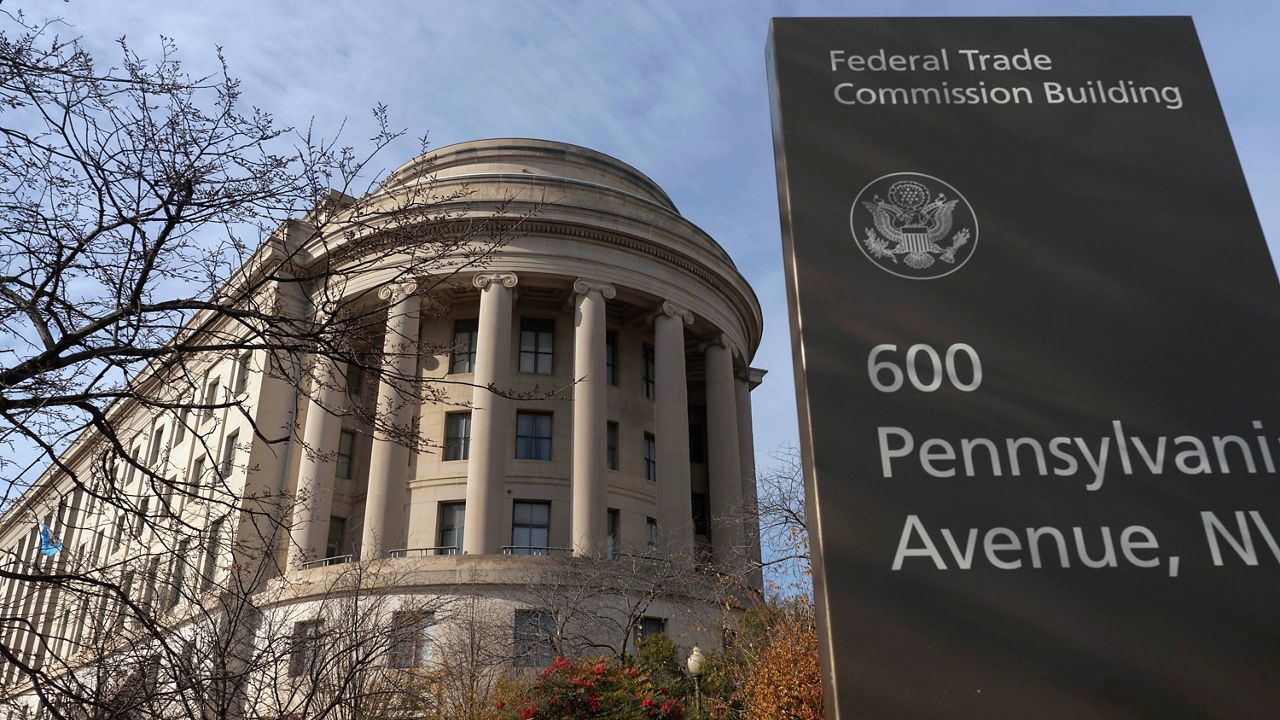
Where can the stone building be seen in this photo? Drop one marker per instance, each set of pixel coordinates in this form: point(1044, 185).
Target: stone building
point(591, 400)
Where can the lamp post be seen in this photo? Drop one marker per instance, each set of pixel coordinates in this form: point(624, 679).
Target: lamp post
point(695, 669)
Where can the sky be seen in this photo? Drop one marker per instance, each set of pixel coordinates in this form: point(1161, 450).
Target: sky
point(676, 89)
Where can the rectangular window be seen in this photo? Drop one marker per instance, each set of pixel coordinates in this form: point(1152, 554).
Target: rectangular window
point(243, 366)
point(533, 436)
point(229, 450)
point(537, 335)
point(701, 514)
point(611, 531)
point(195, 481)
point(346, 454)
point(409, 640)
point(179, 574)
point(337, 539)
point(651, 535)
point(157, 444)
point(611, 357)
point(650, 458)
point(211, 397)
point(180, 432)
point(457, 436)
point(355, 380)
point(307, 647)
point(530, 528)
point(697, 443)
point(649, 371)
point(453, 517)
point(611, 445)
point(463, 359)
point(648, 627)
point(212, 548)
point(534, 632)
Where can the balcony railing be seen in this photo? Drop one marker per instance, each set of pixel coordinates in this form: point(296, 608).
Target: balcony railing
point(325, 562)
point(534, 550)
point(425, 551)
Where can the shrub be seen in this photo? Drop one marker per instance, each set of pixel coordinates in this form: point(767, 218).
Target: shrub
point(589, 689)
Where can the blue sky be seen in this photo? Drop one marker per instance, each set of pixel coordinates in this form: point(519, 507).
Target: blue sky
point(676, 89)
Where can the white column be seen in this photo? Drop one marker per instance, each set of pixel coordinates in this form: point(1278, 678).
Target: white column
point(313, 498)
point(590, 418)
point(671, 428)
point(724, 470)
point(746, 380)
point(397, 402)
point(491, 420)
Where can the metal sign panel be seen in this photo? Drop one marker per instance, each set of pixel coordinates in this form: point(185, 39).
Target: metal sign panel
point(1036, 329)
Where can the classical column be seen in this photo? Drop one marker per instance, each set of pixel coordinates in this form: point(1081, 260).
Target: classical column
point(590, 418)
point(313, 499)
point(724, 469)
point(746, 380)
point(671, 428)
point(491, 420)
point(397, 402)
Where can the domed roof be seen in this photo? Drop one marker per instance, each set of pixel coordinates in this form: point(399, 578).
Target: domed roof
point(524, 156)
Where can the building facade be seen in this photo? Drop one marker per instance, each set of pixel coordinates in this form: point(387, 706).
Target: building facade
point(588, 401)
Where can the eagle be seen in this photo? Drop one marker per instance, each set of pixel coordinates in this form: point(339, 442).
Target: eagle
point(916, 231)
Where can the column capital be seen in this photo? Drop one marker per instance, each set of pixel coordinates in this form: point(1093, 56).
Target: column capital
point(394, 293)
point(717, 340)
point(671, 309)
point(582, 286)
point(506, 279)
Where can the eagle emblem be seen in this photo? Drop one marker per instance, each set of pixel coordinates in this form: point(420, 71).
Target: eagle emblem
point(914, 225)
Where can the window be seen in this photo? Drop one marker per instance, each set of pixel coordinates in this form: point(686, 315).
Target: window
point(650, 458)
point(534, 630)
point(195, 481)
point(537, 335)
point(409, 641)
point(306, 648)
point(648, 627)
point(457, 436)
point(530, 528)
point(157, 444)
point(533, 436)
point(701, 514)
point(697, 443)
point(210, 397)
point(242, 373)
point(180, 432)
point(651, 535)
point(229, 454)
point(212, 548)
point(464, 346)
point(179, 574)
point(611, 357)
point(337, 539)
point(611, 445)
point(649, 371)
point(346, 454)
point(355, 380)
point(612, 531)
point(453, 517)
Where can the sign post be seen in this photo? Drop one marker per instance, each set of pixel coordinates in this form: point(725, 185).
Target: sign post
point(1037, 341)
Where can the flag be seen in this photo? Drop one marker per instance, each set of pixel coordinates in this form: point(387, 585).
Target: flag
point(49, 545)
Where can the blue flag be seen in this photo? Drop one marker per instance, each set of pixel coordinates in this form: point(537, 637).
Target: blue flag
point(49, 545)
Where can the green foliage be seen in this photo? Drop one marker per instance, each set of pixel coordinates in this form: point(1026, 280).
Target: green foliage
point(587, 689)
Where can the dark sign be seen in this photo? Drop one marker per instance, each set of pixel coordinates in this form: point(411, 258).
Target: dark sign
point(1037, 343)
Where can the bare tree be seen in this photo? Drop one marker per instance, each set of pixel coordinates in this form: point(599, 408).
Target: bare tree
point(784, 534)
point(134, 204)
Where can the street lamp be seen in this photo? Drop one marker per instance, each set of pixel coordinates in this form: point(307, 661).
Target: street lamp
point(695, 669)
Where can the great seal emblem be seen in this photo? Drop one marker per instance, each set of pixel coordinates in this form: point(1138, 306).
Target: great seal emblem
point(914, 226)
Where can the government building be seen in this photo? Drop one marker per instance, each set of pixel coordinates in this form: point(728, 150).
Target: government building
point(550, 440)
